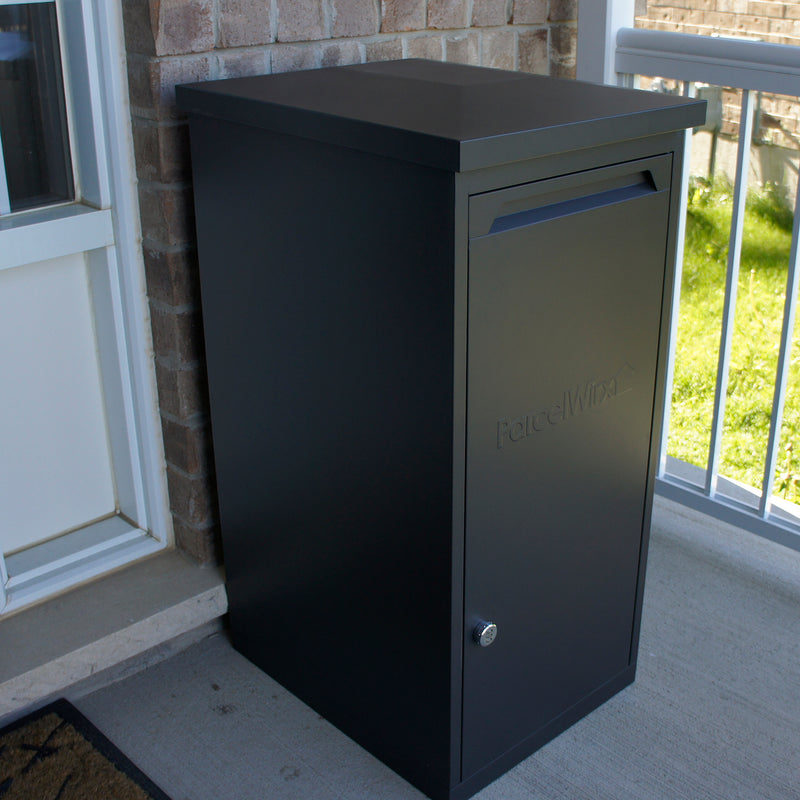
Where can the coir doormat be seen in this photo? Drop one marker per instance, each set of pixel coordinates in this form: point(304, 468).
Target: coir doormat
point(57, 754)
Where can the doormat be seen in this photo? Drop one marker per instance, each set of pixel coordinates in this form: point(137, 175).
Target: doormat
point(55, 753)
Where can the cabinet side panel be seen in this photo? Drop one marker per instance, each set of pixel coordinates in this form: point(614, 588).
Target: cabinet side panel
point(327, 286)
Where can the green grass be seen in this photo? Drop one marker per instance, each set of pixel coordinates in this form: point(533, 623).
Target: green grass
point(759, 314)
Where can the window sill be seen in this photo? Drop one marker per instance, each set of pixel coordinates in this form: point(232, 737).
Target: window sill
point(49, 647)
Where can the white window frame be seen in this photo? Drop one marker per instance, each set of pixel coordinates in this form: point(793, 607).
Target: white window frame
point(102, 223)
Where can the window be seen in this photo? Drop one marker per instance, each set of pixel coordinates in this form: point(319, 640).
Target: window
point(35, 163)
point(73, 335)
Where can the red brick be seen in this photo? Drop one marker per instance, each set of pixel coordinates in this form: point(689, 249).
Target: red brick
point(561, 69)
point(384, 50)
point(182, 388)
point(426, 47)
point(169, 27)
point(337, 53)
point(140, 89)
point(403, 15)
point(301, 21)
point(167, 214)
point(151, 83)
point(766, 8)
point(749, 25)
point(289, 57)
point(354, 17)
point(448, 14)
point(529, 12)
point(244, 22)
point(177, 332)
point(732, 97)
point(498, 49)
point(695, 17)
point(192, 497)
point(161, 150)
point(201, 543)
point(792, 41)
point(784, 27)
point(187, 445)
point(239, 63)
point(463, 48)
point(563, 10)
point(678, 16)
point(563, 42)
point(719, 20)
point(171, 275)
point(138, 27)
point(486, 13)
point(533, 52)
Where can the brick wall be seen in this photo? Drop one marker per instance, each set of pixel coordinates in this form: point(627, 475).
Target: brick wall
point(765, 20)
point(177, 41)
point(771, 21)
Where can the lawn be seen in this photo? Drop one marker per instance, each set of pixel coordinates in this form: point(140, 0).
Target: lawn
point(759, 313)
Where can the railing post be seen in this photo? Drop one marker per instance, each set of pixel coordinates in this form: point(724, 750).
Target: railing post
point(680, 244)
point(731, 286)
point(598, 23)
point(784, 364)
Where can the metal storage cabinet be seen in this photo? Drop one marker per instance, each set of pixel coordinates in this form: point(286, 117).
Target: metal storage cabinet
point(434, 300)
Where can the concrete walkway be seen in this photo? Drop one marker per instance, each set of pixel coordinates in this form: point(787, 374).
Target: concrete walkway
point(714, 713)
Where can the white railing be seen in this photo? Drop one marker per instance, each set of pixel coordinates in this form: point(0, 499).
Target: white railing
point(752, 67)
point(720, 61)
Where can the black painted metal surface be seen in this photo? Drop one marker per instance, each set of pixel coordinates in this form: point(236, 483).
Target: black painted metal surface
point(564, 318)
point(432, 396)
point(445, 115)
point(330, 381)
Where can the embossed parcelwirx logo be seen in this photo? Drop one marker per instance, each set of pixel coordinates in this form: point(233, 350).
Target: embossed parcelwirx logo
point(572, 402)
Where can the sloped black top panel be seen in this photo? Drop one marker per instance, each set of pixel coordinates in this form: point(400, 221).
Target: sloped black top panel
point(451, 116)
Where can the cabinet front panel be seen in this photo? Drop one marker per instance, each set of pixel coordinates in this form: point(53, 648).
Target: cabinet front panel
point(565, 294)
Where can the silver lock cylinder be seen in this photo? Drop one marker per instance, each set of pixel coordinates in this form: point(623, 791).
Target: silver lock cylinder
point(484, 633)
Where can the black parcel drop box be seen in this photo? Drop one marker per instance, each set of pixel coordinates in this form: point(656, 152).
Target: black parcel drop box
point(435, 301)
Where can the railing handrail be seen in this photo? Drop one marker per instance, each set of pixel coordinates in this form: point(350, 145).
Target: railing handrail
point(717, 60)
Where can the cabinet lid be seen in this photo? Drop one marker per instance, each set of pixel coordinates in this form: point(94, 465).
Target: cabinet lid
point(450, 116)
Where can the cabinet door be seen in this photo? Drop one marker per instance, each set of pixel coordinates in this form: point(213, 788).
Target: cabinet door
point(566, 280)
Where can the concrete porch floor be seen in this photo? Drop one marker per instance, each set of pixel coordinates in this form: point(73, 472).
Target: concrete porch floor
point(714, 712)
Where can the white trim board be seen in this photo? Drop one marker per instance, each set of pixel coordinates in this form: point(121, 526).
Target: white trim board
point(52, 233)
